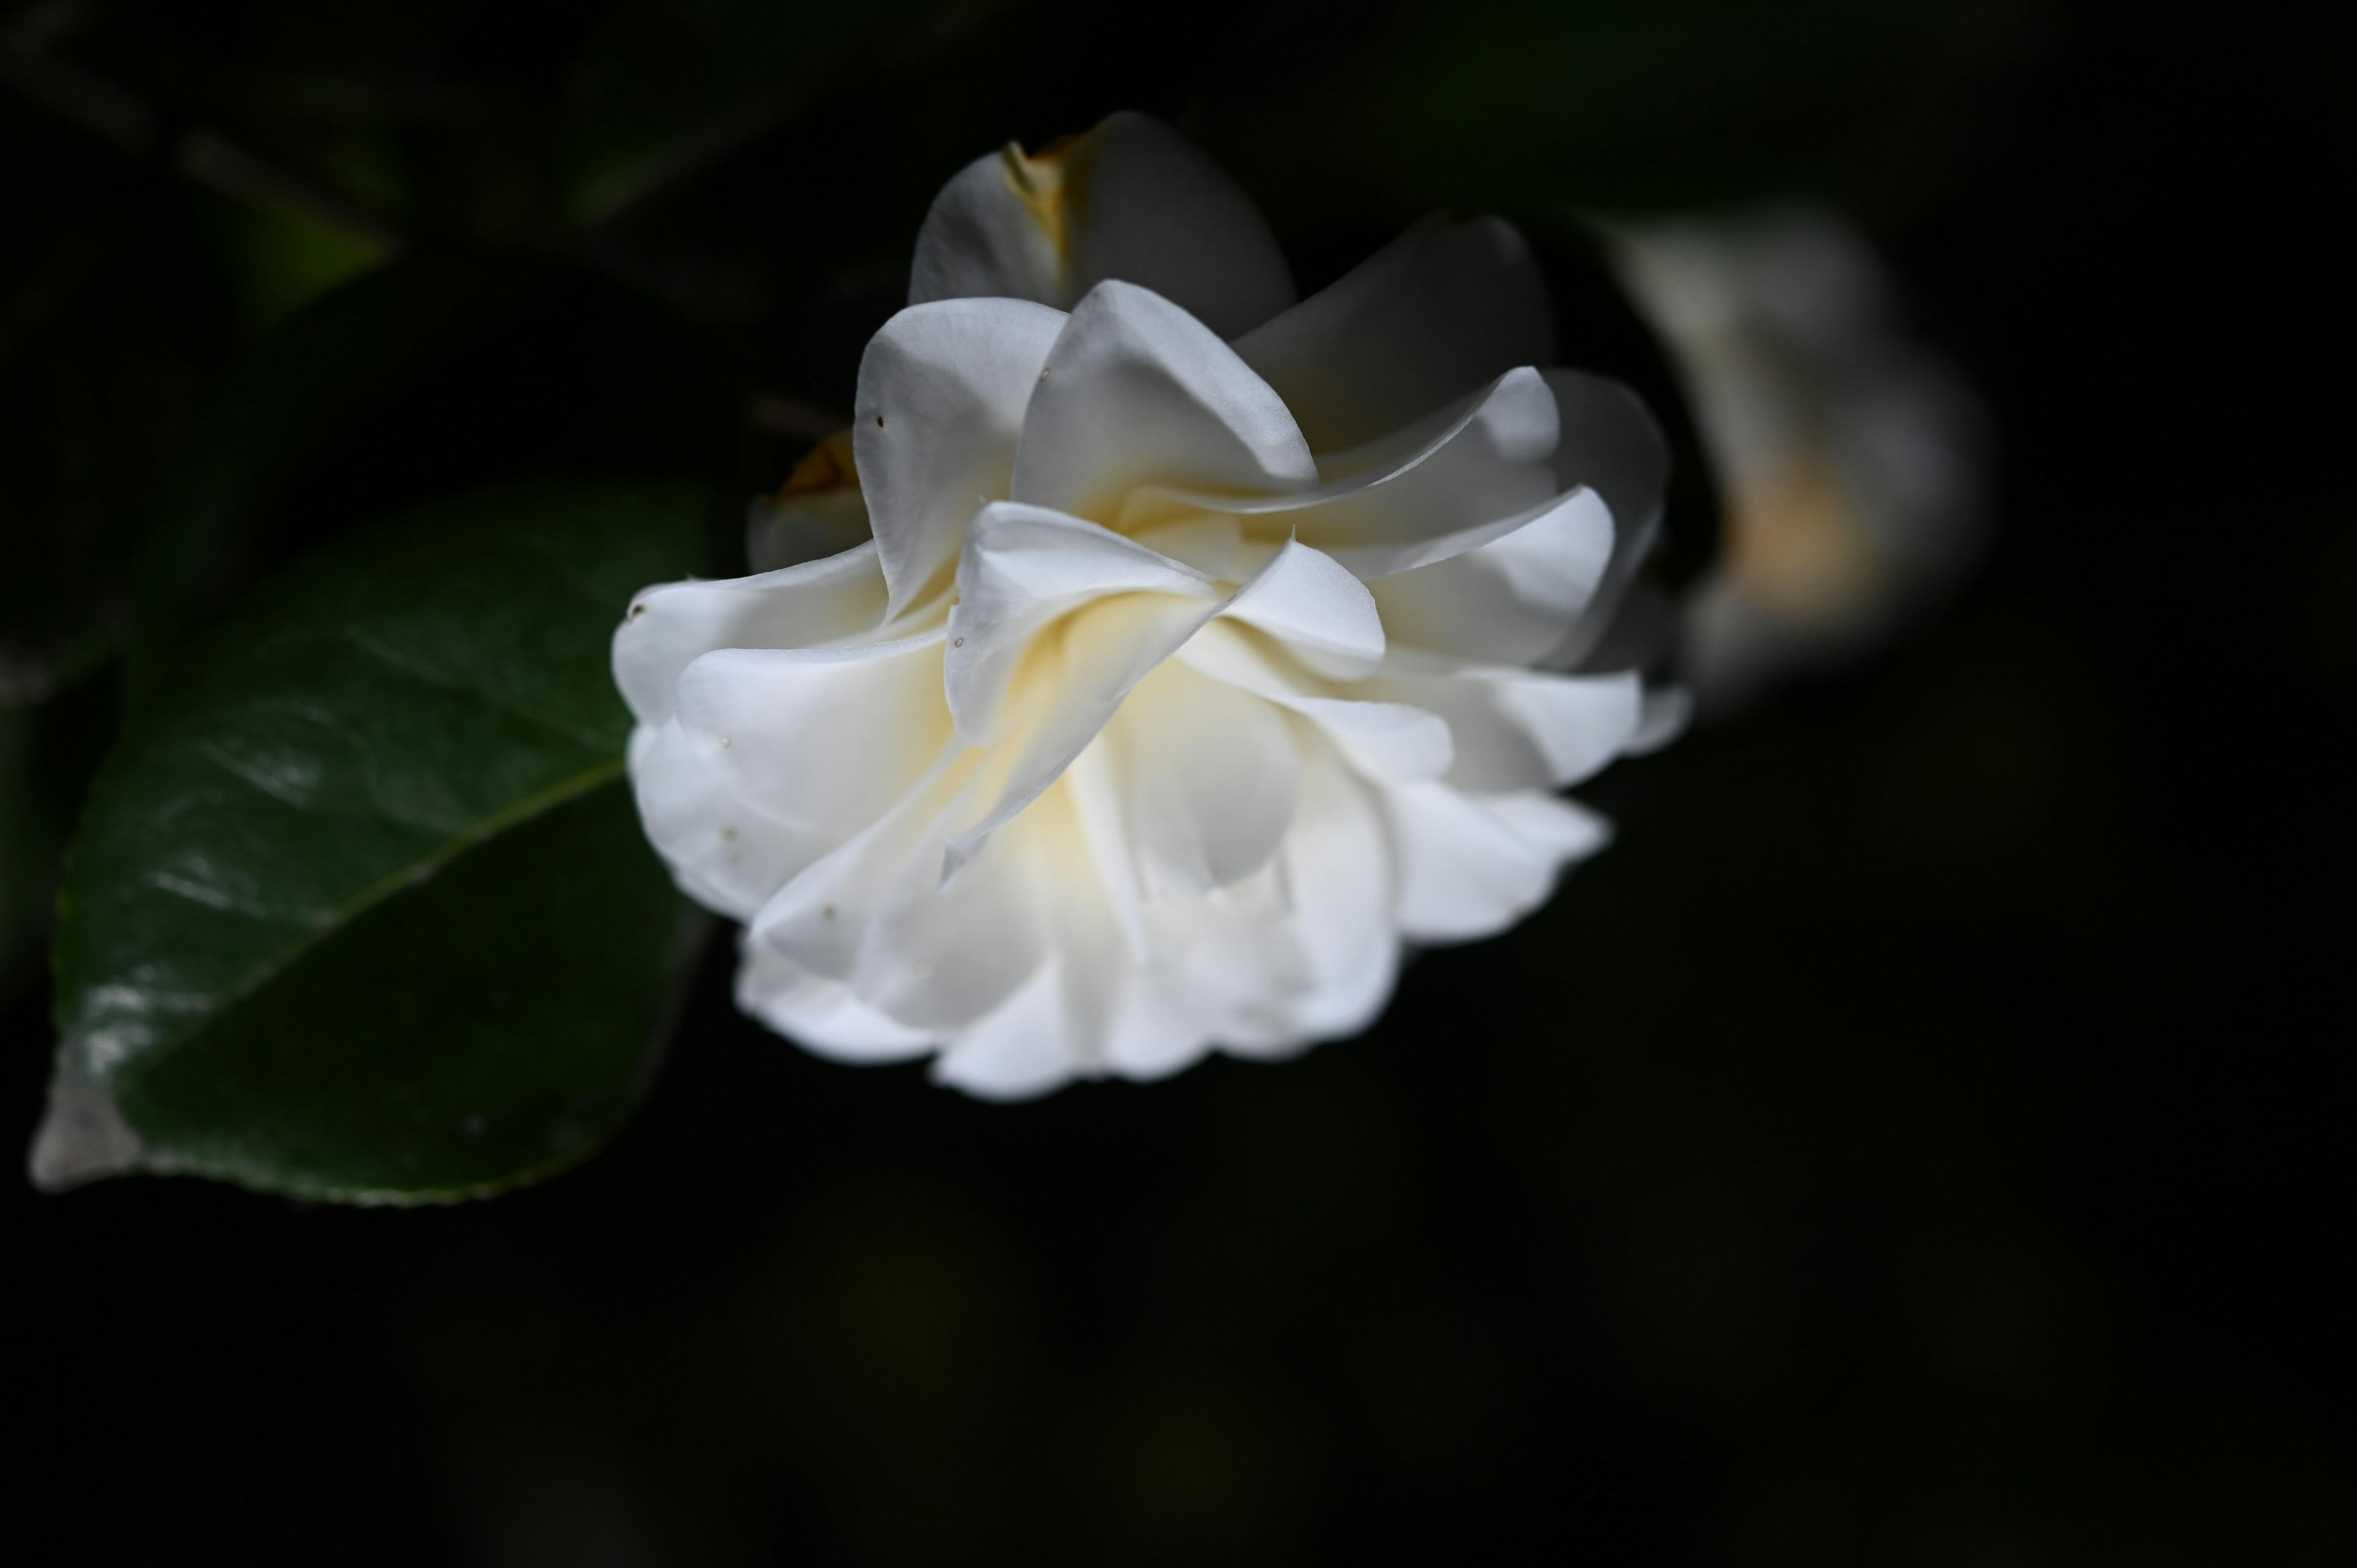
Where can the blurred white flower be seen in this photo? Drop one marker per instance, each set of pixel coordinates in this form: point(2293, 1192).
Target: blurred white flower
point(1207, 646)
point(1849, 455)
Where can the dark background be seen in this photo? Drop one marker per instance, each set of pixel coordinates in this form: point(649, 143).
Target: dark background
point(1922, 1139)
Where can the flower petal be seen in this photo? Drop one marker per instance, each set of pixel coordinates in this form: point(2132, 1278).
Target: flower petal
point(1387, 740)
point(937, 420)
point(1323, 614)
point(1020, 1051)
point(1479, 461)
point(1612, 443)
point(1207, 774)
point(878, 708)
point(725, 855)
point(670, 625)
point(1069, 689)
point(1513, 598)
point(1024, 567)
point(1132, 200)
point(1472, 866)
point(1517, 729)
point(876, 915)
point(821, 1015)
point(1338, 868)
point(1448, 306)
point(1139, 393)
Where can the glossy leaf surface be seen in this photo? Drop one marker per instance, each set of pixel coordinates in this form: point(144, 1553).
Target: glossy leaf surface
point(360, 908)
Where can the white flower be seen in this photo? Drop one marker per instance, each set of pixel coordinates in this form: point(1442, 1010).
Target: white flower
point(1849, 455)
point(1209, 645)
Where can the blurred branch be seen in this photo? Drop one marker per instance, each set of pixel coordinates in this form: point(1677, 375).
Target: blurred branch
point(200, 154)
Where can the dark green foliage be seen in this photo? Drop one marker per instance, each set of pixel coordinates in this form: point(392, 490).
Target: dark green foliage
point(362, 911)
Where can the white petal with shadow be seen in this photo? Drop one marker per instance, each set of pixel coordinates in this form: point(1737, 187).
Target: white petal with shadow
point(1024, 568)
point(1139, 393)
point(670, 627)
point(1131, 200)
point(936, 423)
point(1472, 866)
point(1451, 304)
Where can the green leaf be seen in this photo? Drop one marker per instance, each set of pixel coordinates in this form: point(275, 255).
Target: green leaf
point(363, 911)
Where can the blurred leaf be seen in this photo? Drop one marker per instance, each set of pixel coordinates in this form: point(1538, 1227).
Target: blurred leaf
point(112, 313)
point(1615, 104)
point(284, 263)
point(364, 912)
point(441, 374)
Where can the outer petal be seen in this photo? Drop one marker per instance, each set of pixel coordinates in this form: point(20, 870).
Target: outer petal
point(942, 390)
point(670, 627)
point(1516, 729)
point(1453, 303)
point(1472, 865)
point(875, 915)
point(818, 740)
point(1139, 393)
point(1513, 599)
point(1132, 200)
point(1610, 441)
point(1020, 1051)
point(724, 854)
point(823, 1014)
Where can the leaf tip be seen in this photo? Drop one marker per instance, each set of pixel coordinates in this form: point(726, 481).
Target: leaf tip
point(82, 1137)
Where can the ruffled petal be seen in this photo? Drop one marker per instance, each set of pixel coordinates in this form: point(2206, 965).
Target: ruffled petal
point(821, 1015)
point(1020, 1051)
point(1482, 464)
point(1132, 200)
point(1472, 866)
point(1612, 443)
point(1513, 599)
point(1025, 567)
point(670, 627)
point(722, 854)
point(1069, 687)
point(1448, 306)
point(937, 416)
point(876, 915)
point(1338, 870)
point(1208, 777)
point(1323, 614)
point(818, 740)
point(1516, 729)
point(1139, 393)
point(1389, 740)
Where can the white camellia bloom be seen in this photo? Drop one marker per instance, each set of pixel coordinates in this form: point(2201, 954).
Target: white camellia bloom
point(1209, 645)
point(1849, 455)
